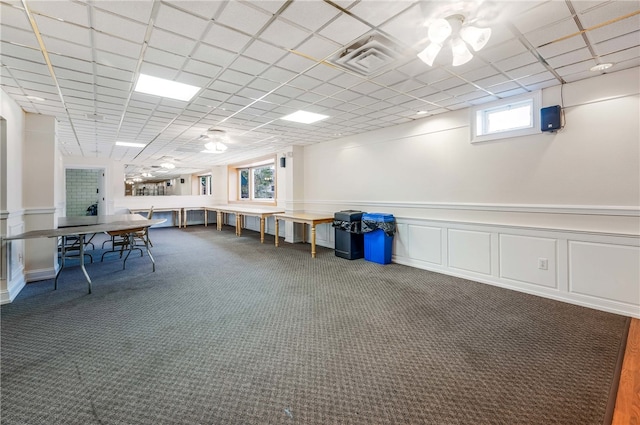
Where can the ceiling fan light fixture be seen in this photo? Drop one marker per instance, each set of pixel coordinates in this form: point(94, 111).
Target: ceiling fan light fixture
point(476, 37)
point(429, 54)
point(439, 30)
point(215, 147)
point(461, 53)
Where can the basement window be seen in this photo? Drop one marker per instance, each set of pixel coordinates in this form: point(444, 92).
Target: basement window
point(511, 117)
point(253, 182)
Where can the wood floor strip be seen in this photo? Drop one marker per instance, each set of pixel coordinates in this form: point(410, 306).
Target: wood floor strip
point(627, 410)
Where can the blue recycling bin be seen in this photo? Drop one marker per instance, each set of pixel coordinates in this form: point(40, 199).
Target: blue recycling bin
point(378, 232)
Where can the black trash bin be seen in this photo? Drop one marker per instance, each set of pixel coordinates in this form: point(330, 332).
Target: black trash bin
point(349, 240)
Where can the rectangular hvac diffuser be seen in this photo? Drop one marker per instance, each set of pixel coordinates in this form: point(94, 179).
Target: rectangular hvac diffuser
point(550, 118)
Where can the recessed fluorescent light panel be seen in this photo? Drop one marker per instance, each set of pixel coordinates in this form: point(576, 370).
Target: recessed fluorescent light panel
point(165, 88)
point(304, 117)
point(131, 144)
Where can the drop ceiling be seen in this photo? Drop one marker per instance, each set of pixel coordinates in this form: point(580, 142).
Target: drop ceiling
point(258, 61)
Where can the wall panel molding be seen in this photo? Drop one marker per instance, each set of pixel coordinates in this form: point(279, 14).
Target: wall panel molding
point(608, 210)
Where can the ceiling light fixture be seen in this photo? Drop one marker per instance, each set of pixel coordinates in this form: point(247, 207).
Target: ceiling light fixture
point(601, 67)
point(215, 139)
point(168, 165)
point(35, 98)
point(461, 36)
point(131, 144)
point(304, 117)
point(165, 88)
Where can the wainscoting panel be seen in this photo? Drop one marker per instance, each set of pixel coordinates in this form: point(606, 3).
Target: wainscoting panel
point(529, 259)
point(592, 269)
point(470, 250)
point(605, 271)
point(425, 243)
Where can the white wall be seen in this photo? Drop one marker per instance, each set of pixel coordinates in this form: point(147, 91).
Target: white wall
point(490, 211)
point(11, 211)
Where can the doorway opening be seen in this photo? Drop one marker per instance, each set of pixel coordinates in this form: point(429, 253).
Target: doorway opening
point(84, 188)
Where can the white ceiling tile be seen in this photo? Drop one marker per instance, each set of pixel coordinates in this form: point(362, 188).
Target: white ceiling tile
point(30, 76)
point(138, 10)
point(283, 34)
point(505, 50)
point(226, 38)
point(318, 48)
point(264, 52)
point(243, 17)
point(169, 42)
point(263, 85)
point(408, 28)
point(193, 79)
point(19, 36)
point(63, 30)
point(116, 45)
point(310, 14)
point(204, 9)
point(378, 11)
point(115, 60)
point(20, 53)
point(607, 11)
point(248, 66)
point(202, 68)
point(71, 63)
point(115, 73)
point(569, 58)
point(542, 15)
point(296, 63)
point(612, 31)
point(553, 32)
point(163, 58)
point(304, 82)
point(622, 56)
point(580, 67)
point(213, 55)
point(118, 25)
point(70, 12)
point(619, 43)
point(159, 71)
point(344, 30)
point(537, 78)
point(15, 16)
point(235, 77)
point(65, 48)
point(517, 61)
point(526, 70)
point(180, 22)
point(562, 47)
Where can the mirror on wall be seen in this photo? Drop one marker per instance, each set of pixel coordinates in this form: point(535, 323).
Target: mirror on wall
point(162, 180)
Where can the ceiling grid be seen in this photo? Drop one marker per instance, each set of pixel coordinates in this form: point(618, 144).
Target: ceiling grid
point(257, 61)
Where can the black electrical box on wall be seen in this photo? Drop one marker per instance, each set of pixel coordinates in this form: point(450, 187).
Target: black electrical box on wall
point(550, 118)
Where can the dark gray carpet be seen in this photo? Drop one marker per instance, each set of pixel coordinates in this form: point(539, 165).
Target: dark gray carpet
point(229, 331)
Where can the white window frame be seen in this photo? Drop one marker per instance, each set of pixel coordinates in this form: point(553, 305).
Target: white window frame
point(483, 110)
point(236, 181)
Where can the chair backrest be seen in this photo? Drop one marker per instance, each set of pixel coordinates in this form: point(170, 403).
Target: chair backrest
point(150, 215)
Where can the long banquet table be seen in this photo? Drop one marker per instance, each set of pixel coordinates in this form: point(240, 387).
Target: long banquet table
point(88, 225)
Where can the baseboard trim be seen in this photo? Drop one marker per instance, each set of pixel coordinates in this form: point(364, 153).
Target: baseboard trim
point(13, 289)
point(40, 274)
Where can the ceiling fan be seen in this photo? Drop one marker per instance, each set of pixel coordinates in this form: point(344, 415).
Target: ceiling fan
point(215, 139)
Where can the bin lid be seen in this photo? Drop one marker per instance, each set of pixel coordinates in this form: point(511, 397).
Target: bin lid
point(348, 215)
point(379, 217)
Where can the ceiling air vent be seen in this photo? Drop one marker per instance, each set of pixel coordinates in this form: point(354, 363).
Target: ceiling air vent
point(369, 55)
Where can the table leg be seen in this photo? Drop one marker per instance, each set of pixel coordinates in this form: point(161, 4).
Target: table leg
point(304, 232)
point(240, 219)
point(313, 241)
point(82, 262)
point(261, 229)
point(276, 220)
point(219, 220)
point(205, 217)
point(63, 254)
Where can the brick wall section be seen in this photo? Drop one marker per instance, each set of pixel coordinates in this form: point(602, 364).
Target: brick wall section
point(81, 190)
